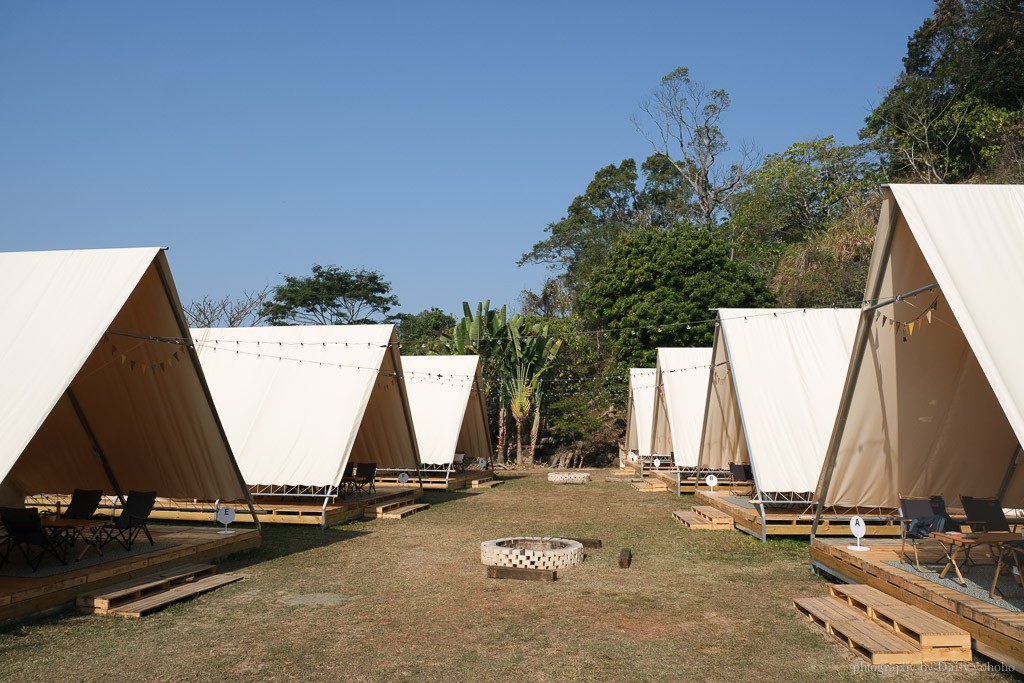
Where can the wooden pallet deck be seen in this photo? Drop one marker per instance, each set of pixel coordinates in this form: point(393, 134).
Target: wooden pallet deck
point(282, 510)
point(435, 480)
point(995, 632)
point(780, 522)
point(22, 596)
point(396, 508)
point(139, 597)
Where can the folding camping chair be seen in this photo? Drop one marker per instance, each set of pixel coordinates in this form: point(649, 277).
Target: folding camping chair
point(918, 518)
point(83, 504)
point(366, 472)
point(132, 520)
point(25, 531)
point(985, 515)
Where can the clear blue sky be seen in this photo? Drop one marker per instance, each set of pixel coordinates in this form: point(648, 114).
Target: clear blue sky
point(432, 141)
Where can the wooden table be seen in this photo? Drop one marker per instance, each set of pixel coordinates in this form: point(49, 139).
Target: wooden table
point(68, 530)
point(954, 545)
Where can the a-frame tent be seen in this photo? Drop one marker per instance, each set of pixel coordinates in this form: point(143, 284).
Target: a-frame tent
point(934, 397)
point(300, 402)
point(776, 380)
point(102, 387)
point(681, 388)
point(639, 415)
point(448, 409)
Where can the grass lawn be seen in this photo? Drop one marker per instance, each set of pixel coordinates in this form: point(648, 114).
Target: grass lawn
point(409, 600)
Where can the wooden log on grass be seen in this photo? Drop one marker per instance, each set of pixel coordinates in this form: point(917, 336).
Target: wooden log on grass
point(521, 574)
point(625, 558)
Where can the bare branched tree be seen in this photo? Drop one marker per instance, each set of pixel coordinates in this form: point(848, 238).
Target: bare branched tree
point(681, 121)
point(245, 311)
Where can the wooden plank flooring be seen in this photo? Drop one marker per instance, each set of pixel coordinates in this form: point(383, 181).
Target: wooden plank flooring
point(995, 631)
point(21, 596)
point(785, 523)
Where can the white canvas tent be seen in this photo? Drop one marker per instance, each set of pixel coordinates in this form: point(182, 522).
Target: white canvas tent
point(777, 378)
point(941, 413)
point(448, 409)
point(681, 389)
point(299, 402)
point(101, 387)
point(640, 412)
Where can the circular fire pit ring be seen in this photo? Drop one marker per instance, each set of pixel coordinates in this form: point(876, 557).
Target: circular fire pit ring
point(531, 552)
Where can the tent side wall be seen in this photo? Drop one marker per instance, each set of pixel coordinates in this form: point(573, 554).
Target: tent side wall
point(922, 419)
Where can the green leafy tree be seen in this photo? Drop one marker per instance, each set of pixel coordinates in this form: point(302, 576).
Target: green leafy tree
point(579, 242)
point(656, 281)
point(331, 296)
point(956, 110)
point(425, 332)
point(797, 194)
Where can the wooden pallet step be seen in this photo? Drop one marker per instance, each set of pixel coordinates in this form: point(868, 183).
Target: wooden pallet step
point(129, 591)
point(403, 512)
point(858, 632)
point(647, 486)
point(713, 515)
point(694, 521)
point(927, 630)
point(393, 504)
point(486, 484)
point(158, 601)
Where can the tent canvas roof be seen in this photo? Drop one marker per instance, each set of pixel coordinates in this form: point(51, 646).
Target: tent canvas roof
point(681, 389)
point(640, 411)
point(447, 407)
point(299, 402)
point(940, 413)
point(775, 401)
point(96, 344)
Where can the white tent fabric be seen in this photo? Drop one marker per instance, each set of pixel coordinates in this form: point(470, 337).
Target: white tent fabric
point(299, 402)
point(939, 413)
point(447, 407)
point(70, 375)
point(786, 368)
point(640, 411)
point(681, 389)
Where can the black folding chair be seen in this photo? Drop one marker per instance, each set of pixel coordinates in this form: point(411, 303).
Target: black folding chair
point(918, 518)
point(985, 515)
point(366, 472)
point(25, 532)
point(83, 504)
point(132, 520)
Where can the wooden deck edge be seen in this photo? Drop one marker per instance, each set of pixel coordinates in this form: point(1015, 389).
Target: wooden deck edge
point(996, 645)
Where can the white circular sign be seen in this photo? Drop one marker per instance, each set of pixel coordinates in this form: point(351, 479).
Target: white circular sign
point(403, 478)
point(632, 457)
point(225, 515)
point(657, 462)
point(857, 526)
point(711, 480)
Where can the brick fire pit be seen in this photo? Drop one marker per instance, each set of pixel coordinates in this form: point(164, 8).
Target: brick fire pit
point(531, 552)
point(569, 477)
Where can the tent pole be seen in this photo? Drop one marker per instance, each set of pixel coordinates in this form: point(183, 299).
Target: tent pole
point(1010, 469)
point(406, 412)
point(183, 331)
point(901, 297)
point(95, 444)
point(860, 345)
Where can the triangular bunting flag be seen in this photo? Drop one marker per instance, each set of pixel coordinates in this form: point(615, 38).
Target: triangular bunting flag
point(911, 328)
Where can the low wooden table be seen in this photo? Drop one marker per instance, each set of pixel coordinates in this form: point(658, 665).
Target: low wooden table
point(67, 530)
point(954, 545)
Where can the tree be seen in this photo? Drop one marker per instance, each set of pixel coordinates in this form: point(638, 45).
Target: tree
point(959, 100)
point(655, 282)
point(425, 332)
point(245, 311)
point(331, 296)
point(531, 352)
point(579, 242)
point(797, 194)
point(681, 122)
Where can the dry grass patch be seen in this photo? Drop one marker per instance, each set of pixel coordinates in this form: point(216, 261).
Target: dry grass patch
point(392, 600)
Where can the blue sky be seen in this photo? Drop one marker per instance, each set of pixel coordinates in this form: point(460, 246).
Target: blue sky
point(431, 141)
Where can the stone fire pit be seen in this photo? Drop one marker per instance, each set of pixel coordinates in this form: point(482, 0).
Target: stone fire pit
point(569, 477)
point(531, 552)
